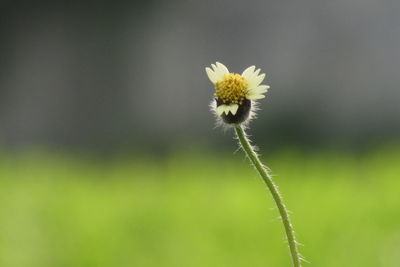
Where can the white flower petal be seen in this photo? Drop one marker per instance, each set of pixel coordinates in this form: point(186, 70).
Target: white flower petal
point(255, 81)
point(255, 74)
point(222, 68)
point(219, 71)
point(258, 90)
point(252, 78)
point(248, 72)
point(211, 75)
point(219, 76)
point(251, 81)
point(233, 108)
point(221, 109)
point(216, 71)
point(255, 96)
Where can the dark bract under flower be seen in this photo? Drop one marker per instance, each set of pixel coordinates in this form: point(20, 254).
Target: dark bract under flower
point(242, 114)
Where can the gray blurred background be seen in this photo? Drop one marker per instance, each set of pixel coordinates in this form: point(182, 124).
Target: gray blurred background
point(110, 75)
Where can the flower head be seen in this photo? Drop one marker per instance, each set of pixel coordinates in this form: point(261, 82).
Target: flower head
point(234, 92)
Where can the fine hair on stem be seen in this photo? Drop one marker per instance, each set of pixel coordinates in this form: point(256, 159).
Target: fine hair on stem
point(267, 178)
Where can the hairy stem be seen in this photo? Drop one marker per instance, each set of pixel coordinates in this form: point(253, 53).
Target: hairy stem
point(244, 141)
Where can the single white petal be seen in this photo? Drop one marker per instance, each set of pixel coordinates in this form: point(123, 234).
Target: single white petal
point(219, 76)
point(222, 68)
point(253, 93)
point(233, 108)
point(255, 96)
point(255, 81)
point(255, 74)
point(258, 90)
point(248, 72)
point(216, 70)
point(252, 78)
point(221, 109)
point(227, 109)
point(211, 75)
point(219, 72)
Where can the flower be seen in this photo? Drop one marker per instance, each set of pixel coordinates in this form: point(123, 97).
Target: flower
point(234, 92)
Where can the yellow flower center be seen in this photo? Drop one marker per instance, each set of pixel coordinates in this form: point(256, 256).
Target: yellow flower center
point(232, 88)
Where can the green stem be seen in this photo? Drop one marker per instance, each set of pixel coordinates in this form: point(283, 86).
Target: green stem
point(244, 141)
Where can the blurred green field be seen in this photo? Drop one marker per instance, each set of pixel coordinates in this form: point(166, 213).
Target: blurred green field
point(198, 209)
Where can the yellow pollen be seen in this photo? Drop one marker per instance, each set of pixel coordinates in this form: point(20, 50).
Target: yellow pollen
point(232, 88)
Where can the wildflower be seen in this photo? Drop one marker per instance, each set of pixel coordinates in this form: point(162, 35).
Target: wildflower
point(234, 103)
point(234, 92)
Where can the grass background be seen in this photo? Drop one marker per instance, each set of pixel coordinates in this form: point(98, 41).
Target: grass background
point(198, 209)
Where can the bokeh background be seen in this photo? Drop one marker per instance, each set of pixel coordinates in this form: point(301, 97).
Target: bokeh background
point(109, 155)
